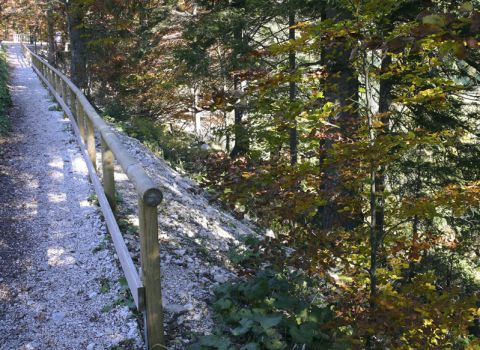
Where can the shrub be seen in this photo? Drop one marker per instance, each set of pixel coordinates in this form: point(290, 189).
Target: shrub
point(273, 311)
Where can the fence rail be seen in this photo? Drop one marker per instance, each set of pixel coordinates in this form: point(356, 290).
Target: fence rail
point(85, 120)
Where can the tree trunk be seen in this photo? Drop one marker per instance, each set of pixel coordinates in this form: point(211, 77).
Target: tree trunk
point(242, 142)
point(292, 91)
point(195, 115)
point(50, 33)
point(241, 145)
point(342, 91)
point(78, 66)
point(384, 103)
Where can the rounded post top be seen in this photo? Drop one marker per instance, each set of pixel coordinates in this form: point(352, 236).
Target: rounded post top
point(152, 197)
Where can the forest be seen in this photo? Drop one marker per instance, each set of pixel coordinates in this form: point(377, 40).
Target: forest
point(347, 130)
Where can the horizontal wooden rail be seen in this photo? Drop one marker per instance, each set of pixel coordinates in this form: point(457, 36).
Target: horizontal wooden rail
point(85, 120)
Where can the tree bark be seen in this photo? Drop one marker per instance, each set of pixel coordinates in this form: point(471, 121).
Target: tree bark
point(78, 65)
point(50, 34)
point(384, 103)
point(342, 90)
point(195, 116)
point(292, 91)
point(242, 141)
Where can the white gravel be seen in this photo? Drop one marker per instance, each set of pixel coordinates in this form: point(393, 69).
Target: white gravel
point(59, 289)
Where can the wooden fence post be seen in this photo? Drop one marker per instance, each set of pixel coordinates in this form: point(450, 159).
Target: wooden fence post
point(59, 85)
point(92, 151)
point(64, 96)
point(150, 255)
point(108, 174)
point(73, 103)
point(65, 91)
point(80, 116)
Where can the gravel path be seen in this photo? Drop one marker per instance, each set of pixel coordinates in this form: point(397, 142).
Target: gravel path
point(59, 281)
point(59, 287)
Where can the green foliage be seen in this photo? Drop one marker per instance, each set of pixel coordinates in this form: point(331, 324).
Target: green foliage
point(93, 199)
point(127, 226)
point(385, 198)
point(126, 298)
point(117, 112)
point(5, 101)
point(273, 311)
point(104, 285)
point(246, 254)
point(101, 246)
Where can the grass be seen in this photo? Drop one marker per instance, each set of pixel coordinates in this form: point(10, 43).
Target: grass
point(125, 299)
point(126, 226)
point(5, 100)
point(104, 285)
point(93, 199)
point(101, 246)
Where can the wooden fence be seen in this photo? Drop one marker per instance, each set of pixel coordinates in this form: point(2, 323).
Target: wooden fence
point(21, 38)
point(146, 292)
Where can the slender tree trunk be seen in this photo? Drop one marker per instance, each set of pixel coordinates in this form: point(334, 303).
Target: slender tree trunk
point(144, 23)
point(242, 141)
point(375, 236)
point(195, 115)
point(241, 145)
point(292, 91)
point(227, 136)
point(384, 103)
point(377, 188)
point(415, 230)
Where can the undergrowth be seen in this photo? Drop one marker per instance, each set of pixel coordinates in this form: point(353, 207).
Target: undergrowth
point(180, 149)
point(273, 310)
point(5, 101)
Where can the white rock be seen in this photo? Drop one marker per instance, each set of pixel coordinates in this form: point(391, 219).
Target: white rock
point(269, 233)
point(58, 316)
point(178, 309)
point(220, 278)
point(180, 252)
